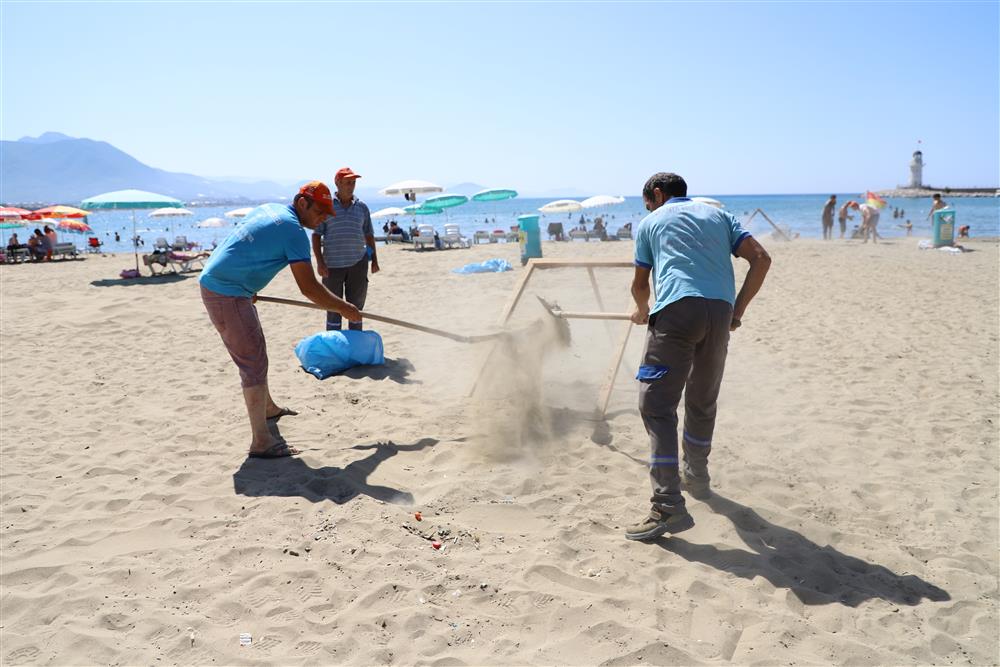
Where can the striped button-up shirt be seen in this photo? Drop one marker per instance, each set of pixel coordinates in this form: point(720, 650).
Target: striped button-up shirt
point(344, 234)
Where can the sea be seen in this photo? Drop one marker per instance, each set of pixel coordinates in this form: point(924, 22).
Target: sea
point(798, 214)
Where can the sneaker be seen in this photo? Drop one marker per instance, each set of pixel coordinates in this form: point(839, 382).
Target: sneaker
point(698, 487)
point(658, 523)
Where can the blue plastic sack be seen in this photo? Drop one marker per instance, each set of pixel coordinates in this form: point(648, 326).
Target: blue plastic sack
point(331, 352)
point(489, 266)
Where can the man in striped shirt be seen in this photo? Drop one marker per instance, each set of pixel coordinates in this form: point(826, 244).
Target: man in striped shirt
point(343, 244)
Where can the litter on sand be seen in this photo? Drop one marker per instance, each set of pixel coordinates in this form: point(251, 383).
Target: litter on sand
point(495, 265)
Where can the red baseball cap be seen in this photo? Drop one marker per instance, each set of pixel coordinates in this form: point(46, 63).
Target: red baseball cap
point(343, 174)
point(319, 193)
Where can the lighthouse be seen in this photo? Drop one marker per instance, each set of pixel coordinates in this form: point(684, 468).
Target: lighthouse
point(917, 170)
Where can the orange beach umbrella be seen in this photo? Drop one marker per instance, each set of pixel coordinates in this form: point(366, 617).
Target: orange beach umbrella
point(61, 212)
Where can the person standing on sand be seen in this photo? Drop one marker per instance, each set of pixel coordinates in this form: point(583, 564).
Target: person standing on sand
point(270, 238)
point(843, 216)
point(869, 220)
point(936, 205)
point(343, 246)
point(831, 203)
point(686, 247)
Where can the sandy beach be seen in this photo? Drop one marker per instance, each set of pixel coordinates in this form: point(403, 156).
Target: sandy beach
point(855, 466)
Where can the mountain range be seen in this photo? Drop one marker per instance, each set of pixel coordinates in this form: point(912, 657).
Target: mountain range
point(58, 169)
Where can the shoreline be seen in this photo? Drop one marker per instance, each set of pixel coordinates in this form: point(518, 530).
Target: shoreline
point(920, 193)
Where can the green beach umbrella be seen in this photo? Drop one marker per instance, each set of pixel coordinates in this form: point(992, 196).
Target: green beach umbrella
point(11, 224)
point(419, 209)
point(494, 194)
point(130, 200)
point(445, 201)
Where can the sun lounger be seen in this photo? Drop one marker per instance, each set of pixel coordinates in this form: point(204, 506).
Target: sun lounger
point(579, 234)
point(158, 263)
point(187, 261)
point(65, 250)
point(425, 238)
point(453, 236)
point(481, 236)
point(160, 244)
point(498, 235)
point(624, 233)
point(181, 244)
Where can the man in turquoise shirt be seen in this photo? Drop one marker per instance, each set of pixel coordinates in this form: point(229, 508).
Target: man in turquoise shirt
point(271, 237)
point(687, 247)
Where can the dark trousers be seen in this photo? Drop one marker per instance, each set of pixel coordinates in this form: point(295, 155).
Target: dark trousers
point(352, 281)
point(686, 347)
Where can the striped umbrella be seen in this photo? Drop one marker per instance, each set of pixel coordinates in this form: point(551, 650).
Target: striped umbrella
point(61, 212)
point(75, 226)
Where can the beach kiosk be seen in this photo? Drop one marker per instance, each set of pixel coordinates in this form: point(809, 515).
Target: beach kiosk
point(529, 236)
point(944, 227)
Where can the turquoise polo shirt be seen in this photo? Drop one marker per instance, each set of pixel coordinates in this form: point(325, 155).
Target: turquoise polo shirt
point(689, 245)
point(269, 239)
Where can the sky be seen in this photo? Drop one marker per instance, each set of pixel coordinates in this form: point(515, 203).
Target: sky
point(738, 97)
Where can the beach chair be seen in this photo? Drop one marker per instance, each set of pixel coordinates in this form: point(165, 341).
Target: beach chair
point(498, 235)
point(157, 262)
point(481, 236)
point(579, 234)
point(94, 244)
point(453, 236)
point(425, 237)
point(64, 250)
point(161, 245)
point(624, 233)
point(181, 244)
point(186, 261)
point(393, 238)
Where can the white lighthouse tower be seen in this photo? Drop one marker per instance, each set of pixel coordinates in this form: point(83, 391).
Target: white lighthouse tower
point(917, 170)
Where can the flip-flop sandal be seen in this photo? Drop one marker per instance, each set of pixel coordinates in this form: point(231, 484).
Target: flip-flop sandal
point(284, 412)
point(278, 450)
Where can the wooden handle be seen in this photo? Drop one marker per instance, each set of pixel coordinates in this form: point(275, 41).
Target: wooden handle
point(592, 316)
point(390, 320)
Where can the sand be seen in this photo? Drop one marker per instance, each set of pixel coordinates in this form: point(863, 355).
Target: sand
point(855, 466)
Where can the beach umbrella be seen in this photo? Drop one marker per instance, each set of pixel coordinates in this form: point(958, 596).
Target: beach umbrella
point(75, 226)
point(61, 212)
point(445, 201)
point(708, 200)
point(11, 223)
point(390, 212)
point(410, 189)
point(239, 213)
point(13, 213)
point(494, 194)
point(420, 209)
point(873, 199)
point(598, 201)
point(122, 200)
point(170, 212)
point(562, 206)
point(212, 222)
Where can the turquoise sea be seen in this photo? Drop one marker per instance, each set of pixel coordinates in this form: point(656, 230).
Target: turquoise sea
point(799, 213)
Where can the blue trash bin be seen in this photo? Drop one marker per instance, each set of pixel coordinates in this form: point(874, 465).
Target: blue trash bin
point(530, 237)
point(944, 227)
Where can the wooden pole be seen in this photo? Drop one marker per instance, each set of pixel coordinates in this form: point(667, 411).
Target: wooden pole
point(613, 372)
point(776, 228)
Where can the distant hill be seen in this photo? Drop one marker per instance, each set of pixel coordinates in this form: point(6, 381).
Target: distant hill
point(55, 168)
point(465, 189)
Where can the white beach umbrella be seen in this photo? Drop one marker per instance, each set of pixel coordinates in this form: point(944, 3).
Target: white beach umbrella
point(390, 212)
point(410, 189)
point(170, 212)
point(708, 200)
point(562, 206)
point(598, 201)
point(212, 222)
point(239, 213)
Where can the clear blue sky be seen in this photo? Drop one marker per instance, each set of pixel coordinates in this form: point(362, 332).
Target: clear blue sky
point(737, 97)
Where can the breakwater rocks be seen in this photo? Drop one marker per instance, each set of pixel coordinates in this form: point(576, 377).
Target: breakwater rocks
point(944, 192)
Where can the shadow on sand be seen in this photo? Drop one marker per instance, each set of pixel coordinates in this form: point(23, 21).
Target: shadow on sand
point(142, 280)
point(397, 370)
point(292, 477)
point(816, 575)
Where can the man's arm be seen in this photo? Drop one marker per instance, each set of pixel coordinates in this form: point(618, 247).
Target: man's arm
point(641, 294)
point(320, 261)
point(370, 242)
point(760, 262)
point(313, 290)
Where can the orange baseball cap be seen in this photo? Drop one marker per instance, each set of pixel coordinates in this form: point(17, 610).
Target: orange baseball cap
point(319, 193)
point(343, 174)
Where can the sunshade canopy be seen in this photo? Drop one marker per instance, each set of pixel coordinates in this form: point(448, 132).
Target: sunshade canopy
point(494, 194)
point(61, 212)
point(239, 213)
point(390, 212)
point(12, 212)
point(130, 199)
point(212, 222)
point(420, 209)
point(170, 212)
point(413, 187)
point(561, 206)
point(601, 200)
point(445, 201)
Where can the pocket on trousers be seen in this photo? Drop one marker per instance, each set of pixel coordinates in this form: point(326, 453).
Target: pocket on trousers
point(649, 373)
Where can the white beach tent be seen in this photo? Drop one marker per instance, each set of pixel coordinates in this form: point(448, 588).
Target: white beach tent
point(598, 201)
point(562, 206)
point(212, 222)
point(170, 212)
point(391, 212)
point(410, 189)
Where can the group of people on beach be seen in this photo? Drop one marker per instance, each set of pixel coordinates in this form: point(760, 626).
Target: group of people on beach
point(39, 246)
point(869, 218)
point(683, 247)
